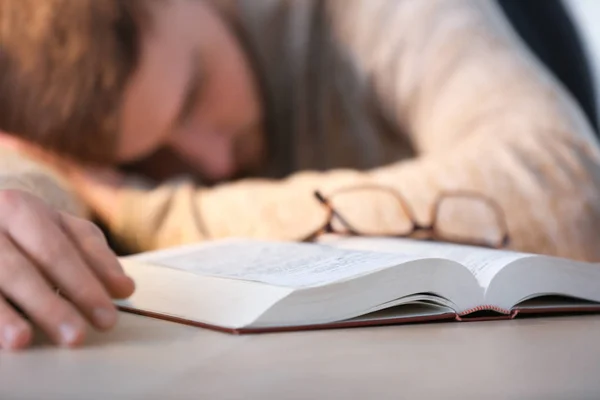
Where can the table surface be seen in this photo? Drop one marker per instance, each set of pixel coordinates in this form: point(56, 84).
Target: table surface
point(546, 358)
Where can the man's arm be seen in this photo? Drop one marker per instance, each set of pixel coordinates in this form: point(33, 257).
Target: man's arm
point(482, 114)
point(44, 246)
point(20, 172)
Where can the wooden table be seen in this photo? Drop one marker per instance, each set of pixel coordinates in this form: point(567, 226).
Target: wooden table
point(551, 358)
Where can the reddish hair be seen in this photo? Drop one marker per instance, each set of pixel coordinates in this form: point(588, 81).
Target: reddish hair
point(63, 67)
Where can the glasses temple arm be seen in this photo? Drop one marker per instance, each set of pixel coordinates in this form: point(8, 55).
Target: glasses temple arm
point(333, 213)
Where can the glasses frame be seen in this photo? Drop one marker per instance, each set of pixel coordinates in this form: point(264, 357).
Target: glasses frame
point(418, 231)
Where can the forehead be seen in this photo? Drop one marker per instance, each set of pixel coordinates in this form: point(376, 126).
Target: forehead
point(152, 97)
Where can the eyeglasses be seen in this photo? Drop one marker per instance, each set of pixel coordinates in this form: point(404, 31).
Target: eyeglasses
point(460, 217)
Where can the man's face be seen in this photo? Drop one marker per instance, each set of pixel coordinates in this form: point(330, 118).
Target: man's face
point(193, 93)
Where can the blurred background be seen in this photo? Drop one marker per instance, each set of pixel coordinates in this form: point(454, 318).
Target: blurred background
point(587, 14)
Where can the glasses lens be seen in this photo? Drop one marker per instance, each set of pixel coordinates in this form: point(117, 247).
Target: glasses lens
point(469, 219)
point(371, 211)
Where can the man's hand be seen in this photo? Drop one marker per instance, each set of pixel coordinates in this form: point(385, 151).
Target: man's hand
point(56, 271)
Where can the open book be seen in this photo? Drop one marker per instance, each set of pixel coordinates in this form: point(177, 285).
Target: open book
point(256, 286)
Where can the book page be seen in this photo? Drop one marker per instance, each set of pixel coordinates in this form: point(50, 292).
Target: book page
point(483, 263)
point(282, 264)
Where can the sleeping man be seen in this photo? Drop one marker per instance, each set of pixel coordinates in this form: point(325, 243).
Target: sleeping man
point(178, 121)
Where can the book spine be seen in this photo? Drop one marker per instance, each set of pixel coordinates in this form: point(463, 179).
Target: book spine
point(485, 308)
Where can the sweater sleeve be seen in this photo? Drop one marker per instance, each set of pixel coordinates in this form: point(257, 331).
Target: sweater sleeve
point(20, 172)
point(482, 114)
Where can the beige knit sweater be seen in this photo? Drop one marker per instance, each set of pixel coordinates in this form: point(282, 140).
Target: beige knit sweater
point(419, 95)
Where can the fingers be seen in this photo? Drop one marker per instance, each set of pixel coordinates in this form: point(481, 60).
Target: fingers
point(22, 283)
point(95, 250)
point(15, 332)
point(39, 235)
point(42, 249)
